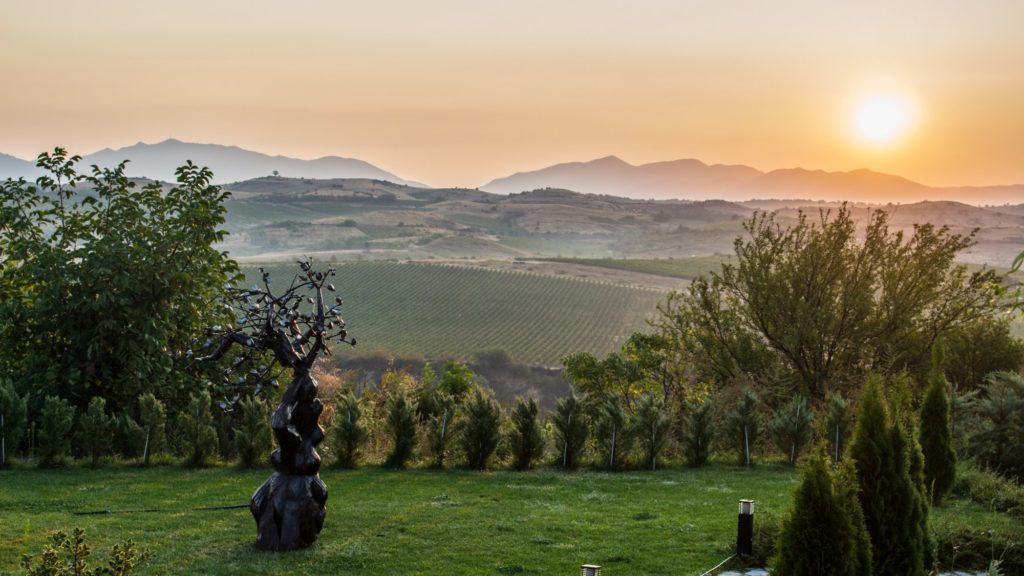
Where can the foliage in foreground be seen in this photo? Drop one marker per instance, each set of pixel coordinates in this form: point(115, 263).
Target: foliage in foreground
point(69, 556)
point(825, 532)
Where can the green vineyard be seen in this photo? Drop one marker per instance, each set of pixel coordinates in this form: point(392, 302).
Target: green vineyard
point(436, 310)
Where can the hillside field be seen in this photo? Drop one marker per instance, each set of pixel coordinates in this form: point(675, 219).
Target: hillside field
point(436, 310)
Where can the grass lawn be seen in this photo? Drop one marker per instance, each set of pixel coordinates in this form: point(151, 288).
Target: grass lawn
point(677, 521)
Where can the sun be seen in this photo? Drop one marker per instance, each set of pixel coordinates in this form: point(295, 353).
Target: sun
point(881, 120)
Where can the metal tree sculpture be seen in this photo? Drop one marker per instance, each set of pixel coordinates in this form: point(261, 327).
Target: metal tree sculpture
point(293, 327)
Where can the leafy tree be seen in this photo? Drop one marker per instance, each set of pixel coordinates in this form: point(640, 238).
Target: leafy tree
point(13, 415)
point(700, 430)
point(827, 305)
point(838, 424)
point(980, 348)
point(104, 284)
point(153, 417)
point(651, 427)
point(440, 426)
point(401, 424)
point(997, 438)
point(348, 432)
point(54, 430)
point(95, 430)
point(625, 374)
point(888, 495)
point(199, 437)
point(821, 535)
point(613, 431)
point(457, 380)
point(480, 429)
point(570, 431)
point(936, 438)
point(742, 426)
point(526, 437)
point(252, 437)
point(790, 428)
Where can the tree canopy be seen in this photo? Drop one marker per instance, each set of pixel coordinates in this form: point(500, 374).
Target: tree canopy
point(828, 300)
point(103, 283)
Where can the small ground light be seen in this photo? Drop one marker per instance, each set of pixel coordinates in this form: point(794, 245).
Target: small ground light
point(745, 529)
point(590, 570)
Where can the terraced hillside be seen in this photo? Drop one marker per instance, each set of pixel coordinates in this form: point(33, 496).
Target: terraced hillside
point(437, 310)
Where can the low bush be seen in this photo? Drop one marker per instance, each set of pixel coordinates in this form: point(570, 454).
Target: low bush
point(69, 556)
point(960, 548)
point(990, 489)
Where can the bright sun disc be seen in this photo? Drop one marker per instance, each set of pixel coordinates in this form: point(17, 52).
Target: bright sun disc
point(882, 119)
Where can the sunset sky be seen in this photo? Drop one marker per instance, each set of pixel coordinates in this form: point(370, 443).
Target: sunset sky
point(457, 92)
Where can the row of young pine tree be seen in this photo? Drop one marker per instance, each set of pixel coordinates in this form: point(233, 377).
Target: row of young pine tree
point(868, 514)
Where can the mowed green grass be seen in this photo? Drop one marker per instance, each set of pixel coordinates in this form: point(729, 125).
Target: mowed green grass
point(411, 522)
point(380, 522)
point(436, 310)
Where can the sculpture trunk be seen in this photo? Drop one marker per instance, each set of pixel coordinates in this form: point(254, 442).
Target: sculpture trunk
point(290, 506)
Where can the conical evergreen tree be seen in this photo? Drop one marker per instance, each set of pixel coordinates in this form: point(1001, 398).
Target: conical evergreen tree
point(888, 496)
point(699, 432)
point(936, 438)
point(402, 425)
point(838, 422)
point(821, 534)
point(13, 414)
point(95, 430)
point(743, 426)
point(570, 430)
point(526, 438)
point(480, 429)
point(348, 434)
point(613, 432)
point(790, 428)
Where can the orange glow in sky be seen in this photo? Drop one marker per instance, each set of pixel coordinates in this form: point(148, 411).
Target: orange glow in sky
point(457, 92)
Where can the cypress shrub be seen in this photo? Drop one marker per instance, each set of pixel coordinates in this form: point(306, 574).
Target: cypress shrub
point(613, 432)
point(197, 434)
point(95, 430)
point(401, 422)
point(129, 437)
point(742, 426)
point(570, 431)
point(440, 426)
point(480, 429)
point(700, 431)
point(526, 437)
point(153, 418)
point(652, 423)
point(252, 437)
point(790, 428)
point(936, 438)
point(820, 536)
point(888, 495)
point(13, 416)
point(53, 433)
point(838, 423)
point(348, 434)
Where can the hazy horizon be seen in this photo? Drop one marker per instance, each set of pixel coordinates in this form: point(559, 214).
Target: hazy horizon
point(456, 93)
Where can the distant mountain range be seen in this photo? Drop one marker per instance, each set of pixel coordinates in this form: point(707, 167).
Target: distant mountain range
point(229, 163)
point(678, 179)
point(695, 180)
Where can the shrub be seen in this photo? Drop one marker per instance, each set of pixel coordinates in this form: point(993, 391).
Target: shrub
point(152, 418)
point(997, 440)
point(613, 432)
point(820, 535)
point(13, 415)
point(963, 548)
point(440, 425)
point(526, 437)
point(888, 495)
point(95, 430)
point(936, 438)
point(480, 429)
point(570, 431)
point(68, 556)
point(699, 432)
point(252, 437)
point(990, 489)
point(651, 427)
point(53, 438)
point(401, 422)
point(742, 426)
point(198, 436)
point(348, 434)
point(457, 379)
point(129, 437)
point(790, 428)
point(838, 425)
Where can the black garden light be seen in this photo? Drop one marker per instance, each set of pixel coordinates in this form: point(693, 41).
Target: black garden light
point(745, 529)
